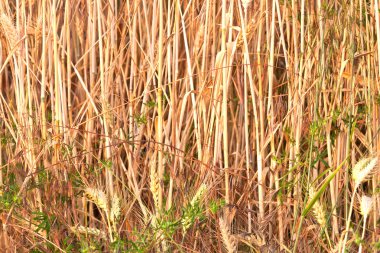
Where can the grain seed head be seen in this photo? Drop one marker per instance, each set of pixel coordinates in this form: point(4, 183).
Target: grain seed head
point(366, 205)
point(98, 197)
point(362, 169)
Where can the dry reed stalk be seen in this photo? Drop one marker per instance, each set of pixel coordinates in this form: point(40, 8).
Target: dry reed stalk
point(259, 120)
point(199, 39)
point(43, 74)
point(224, 103)
point(99, 68)
point(160, 129)
point(377, 20)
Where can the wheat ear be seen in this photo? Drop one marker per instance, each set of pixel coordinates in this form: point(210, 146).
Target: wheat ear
point(115, 211)
point(154, 187)
point(98, 197)
point(319, 213)
point(198, 195)
point(101, 200)
point(88, 231)
point(318, 209)
point(9, 31)
point(228, 240)
point(186, 220)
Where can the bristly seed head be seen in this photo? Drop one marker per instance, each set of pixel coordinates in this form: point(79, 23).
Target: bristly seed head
point(362, 170)
point(366, 205)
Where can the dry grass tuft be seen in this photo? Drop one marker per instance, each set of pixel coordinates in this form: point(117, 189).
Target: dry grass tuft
point(169, 115)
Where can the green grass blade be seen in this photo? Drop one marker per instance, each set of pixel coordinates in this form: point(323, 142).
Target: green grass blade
point(321, 190)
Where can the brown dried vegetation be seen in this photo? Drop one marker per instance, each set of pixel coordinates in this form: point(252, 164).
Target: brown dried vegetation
point(189, 126)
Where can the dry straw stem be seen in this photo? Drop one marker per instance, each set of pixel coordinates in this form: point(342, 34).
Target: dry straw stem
point(366, 204)
point(99, 73)
point(228, 239)
point(199, 38)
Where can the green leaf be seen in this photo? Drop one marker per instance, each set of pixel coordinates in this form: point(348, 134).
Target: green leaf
point(321, 190)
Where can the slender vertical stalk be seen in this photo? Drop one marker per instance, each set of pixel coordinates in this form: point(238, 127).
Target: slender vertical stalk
point(270, 111)
point(246, 120)
point(159, 101)
point(169, 76)
point(104, 100)
point(348, 219)
point(68, 60)
point(377, 32)
point(363, 233)
point(224, 103)
point(260, 121)
point(43, 73)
